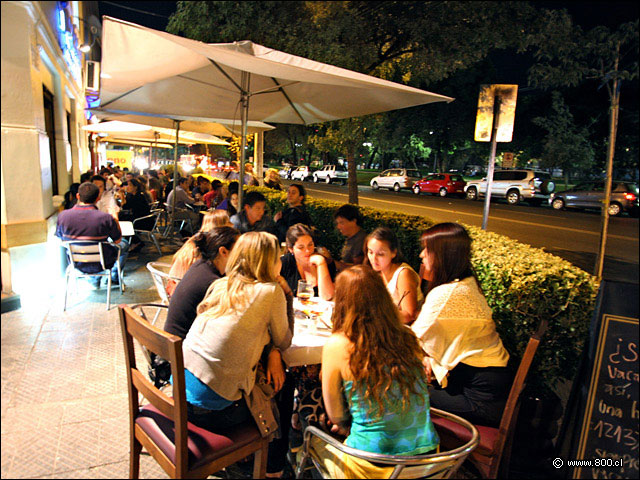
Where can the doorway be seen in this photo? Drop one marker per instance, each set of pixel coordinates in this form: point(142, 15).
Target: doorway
point(49, 126)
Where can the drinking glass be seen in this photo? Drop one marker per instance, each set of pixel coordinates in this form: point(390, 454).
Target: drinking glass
point(305, 292)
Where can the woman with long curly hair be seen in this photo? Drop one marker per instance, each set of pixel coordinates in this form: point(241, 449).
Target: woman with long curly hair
point(373, 381)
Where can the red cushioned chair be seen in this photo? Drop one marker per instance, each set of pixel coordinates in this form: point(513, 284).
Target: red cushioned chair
point(495, 443)
point(182, 449)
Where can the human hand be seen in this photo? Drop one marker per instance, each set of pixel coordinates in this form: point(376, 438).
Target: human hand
point(285, 286)
point(427, 368)
point(324, 252)
point(317, 259)
point(338, 429)
point(277, 216)
point(275, 370)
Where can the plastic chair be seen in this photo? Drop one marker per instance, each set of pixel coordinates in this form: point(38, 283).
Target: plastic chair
point(150, 234)
point(434, 465)
point(182, 449)
point(494, 449)
point(90, 252)
point(160, 275)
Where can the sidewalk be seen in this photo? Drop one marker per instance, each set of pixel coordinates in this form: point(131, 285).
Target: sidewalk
point(64, 383)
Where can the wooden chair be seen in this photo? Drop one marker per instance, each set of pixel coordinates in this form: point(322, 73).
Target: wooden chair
point(495, 445)
point(443, 464)
point(90, 252)
point(182, 449)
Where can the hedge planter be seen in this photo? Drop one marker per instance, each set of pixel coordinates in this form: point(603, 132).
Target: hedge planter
point(522, 284)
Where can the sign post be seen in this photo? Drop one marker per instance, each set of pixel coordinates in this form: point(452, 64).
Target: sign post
point(494, 123)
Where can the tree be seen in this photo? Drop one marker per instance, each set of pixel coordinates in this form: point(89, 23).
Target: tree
point(566, 57)
point(566, 146)
point(416, 43)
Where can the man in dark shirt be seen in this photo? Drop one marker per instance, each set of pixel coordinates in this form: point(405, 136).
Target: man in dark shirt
point(349, 222)
point(253, 218)
point(295, 213)
point(84, 222)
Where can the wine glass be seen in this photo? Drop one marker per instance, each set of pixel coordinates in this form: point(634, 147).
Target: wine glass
point(305, 292)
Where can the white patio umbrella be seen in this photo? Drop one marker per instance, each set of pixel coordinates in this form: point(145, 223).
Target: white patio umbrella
point(146, 70)
point(138, 132)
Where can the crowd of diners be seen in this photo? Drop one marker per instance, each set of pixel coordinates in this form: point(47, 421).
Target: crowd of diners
point(402, 341)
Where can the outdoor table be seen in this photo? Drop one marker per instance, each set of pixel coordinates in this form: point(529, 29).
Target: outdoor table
point(127, 228)
point(311, 331)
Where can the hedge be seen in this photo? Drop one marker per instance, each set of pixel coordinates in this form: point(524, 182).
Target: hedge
point(522, 284)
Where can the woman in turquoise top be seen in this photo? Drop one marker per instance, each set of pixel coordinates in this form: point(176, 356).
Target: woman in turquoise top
point(374, 384)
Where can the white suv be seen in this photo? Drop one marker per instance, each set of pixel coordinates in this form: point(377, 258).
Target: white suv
point(396, 179)
point(331, 173)
point(514, 185)
point(301, 173)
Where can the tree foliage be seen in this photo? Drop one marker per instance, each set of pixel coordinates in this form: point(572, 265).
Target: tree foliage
point(566, 145)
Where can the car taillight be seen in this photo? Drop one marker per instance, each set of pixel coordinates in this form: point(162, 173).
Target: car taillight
point(630, 196)
point(532, 182)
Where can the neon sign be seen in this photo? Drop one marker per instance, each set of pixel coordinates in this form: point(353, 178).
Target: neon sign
point(69, 43)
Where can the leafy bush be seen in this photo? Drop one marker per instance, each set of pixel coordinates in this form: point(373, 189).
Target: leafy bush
point(522, 284)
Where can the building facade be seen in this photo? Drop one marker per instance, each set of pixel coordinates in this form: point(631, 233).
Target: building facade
point(44, 149)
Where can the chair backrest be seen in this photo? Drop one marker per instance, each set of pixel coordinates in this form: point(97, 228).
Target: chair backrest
point(433, 465)
point(510, 415)
point(85, 252)
point(160, 274)
point(167, 346)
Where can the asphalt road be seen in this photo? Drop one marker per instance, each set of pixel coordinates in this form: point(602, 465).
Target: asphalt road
point(570, 234)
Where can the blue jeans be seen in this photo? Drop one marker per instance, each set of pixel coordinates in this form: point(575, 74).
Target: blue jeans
point(124, 253)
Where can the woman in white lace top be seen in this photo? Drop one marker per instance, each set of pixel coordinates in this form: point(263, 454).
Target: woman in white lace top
point(382, 253)
point(457, 331)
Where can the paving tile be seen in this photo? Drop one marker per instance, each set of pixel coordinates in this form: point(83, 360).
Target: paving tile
point(99, 388)
point(59, 392)
point(79, 411)
point(77, 447)
point(113, 445)
point(34, 452)
point(114, 406)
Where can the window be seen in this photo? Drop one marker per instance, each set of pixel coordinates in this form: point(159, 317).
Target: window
point(413, 173)
point(518, 175)
point(502, 176)
point(456, 178)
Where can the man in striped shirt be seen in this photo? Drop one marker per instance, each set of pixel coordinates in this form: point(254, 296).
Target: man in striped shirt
point(84, 222)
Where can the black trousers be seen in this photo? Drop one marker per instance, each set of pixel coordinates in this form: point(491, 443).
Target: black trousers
point(474, 393)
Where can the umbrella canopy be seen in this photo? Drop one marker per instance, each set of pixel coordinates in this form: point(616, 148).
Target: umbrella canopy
point(146, 70)
point(136, 132)
point(139, 143)
point(213, 126)
point(154, 72)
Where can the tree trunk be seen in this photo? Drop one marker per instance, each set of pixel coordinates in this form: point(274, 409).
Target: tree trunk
point(566, 179)
point(353, 176)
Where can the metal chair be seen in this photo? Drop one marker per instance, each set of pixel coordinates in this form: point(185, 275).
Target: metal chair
point(160, 275)
point(494, 449)
point(80, 253)
point(150, 234)
point(182, 449)
point(434, 465)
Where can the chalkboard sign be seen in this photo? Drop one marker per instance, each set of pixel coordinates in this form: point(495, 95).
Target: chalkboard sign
point(607, 422)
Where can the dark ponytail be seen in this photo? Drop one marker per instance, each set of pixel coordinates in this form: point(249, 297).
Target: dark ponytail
point(208, 243)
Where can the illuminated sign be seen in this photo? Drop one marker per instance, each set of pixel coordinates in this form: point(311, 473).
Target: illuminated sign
point(69, 43)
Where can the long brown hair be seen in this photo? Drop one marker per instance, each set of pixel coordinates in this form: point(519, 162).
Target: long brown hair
point(383, 234)
point(385, 352)
point(449, 248)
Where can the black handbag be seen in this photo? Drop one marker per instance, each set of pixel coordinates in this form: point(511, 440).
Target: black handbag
point(159, 370)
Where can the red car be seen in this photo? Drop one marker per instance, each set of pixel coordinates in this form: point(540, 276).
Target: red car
point(442, 184)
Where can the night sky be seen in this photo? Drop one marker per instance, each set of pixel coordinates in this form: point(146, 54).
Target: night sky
point(586, 14)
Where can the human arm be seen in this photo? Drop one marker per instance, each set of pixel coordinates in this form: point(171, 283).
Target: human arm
point(280, 325)
point(335, 356)
point(407, 289)
point(275, 369)
point(325, 284)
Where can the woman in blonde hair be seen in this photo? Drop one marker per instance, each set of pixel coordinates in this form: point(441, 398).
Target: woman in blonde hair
point(188, 253)
point(240, 314)
point(373, 381)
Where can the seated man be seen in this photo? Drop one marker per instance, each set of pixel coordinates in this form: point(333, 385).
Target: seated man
point(182, 200)
point(84, 222)
point(253, 217)
point(203, 186)
point(349, 222)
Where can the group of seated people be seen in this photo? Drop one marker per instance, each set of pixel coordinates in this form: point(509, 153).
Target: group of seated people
point(394, 350)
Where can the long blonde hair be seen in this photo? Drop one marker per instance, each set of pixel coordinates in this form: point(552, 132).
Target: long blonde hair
point(250, 262)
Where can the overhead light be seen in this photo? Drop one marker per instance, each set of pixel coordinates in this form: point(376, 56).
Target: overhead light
point(85, 48)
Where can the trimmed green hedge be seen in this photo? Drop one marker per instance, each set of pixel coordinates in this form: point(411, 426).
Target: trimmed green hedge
point(522, 284)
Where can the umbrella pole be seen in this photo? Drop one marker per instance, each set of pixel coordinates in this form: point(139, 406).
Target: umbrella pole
point(243, 143)
point(176, 124)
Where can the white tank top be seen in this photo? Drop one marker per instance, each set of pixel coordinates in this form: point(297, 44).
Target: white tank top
point(392, 286)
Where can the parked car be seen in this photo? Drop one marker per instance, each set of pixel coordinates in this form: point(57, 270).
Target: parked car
point(301, 173)
point(514, 185)
point(624, 197)
point(442, 184)
point(396, 179)
point(331, 173)
point(285, 172)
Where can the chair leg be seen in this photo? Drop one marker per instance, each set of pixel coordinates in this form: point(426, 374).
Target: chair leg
point(109, 291)
point(260, 461)
point(155, 241)
point(66, 289)
point(134, 457)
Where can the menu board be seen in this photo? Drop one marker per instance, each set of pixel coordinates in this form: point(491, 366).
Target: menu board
point(608, 425)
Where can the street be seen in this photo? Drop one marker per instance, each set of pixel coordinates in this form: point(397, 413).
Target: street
point(571, 234)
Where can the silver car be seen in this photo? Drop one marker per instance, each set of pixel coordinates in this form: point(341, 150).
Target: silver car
point(624, 197)
point(396, 179)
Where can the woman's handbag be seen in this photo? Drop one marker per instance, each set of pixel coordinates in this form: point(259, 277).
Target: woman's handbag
point(262, 405)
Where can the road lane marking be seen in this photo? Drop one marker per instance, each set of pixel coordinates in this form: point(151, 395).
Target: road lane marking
point(491, 217)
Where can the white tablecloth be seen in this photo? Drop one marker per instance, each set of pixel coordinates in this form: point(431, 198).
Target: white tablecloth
point(308, 340)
